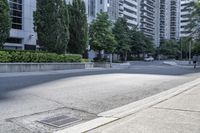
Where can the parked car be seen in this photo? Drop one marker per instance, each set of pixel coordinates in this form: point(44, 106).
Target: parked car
point(149, 59)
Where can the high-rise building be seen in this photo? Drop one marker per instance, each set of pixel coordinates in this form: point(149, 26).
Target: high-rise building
point(115, 9)
point(172, 19)
point(159, 19)
point(95, 7)
point(129, 10)
point(162, 19)
point(147, 18)
point(22, 35)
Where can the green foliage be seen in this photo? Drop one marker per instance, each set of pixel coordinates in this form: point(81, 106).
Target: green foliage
point(194, 18)
point(121, 32)
point(5, 21)
point(196, 48)
point(78, 27)
point(51, 23)
point(85, 60)
point(196, 15)
point(170, 48)
point(184, 46)
point(4, 56)
point(140, 43)
point(100, 32)
point(37, 57)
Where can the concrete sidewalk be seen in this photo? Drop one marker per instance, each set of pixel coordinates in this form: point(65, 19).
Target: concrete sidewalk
point(178, 114)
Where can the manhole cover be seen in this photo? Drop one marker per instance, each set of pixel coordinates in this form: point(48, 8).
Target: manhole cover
point(60, 121)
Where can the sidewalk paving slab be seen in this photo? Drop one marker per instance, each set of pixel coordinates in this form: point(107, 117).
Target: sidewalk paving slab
point(180, 114)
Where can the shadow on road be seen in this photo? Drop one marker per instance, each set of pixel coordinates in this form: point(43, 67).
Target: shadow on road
point(8, 84)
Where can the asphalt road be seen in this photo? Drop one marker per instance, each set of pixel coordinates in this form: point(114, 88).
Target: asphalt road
point(26, 99)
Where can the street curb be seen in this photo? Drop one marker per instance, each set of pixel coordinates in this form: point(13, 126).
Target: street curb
point(124, 111)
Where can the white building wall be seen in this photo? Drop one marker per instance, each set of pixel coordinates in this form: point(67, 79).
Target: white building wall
point(130, 12)
point(169, 22)
point(27, 33)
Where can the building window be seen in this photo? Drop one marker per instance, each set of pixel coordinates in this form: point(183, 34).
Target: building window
point(92, 8)
point(16, 13)
point(101, 1)
point(14, 40)
point(29, 47)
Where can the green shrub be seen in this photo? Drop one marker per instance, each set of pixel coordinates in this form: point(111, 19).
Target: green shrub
point(85, 60)
point(37, 57)
point(5, 57)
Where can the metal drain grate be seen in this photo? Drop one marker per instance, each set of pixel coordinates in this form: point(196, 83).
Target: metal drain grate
point(60, 121)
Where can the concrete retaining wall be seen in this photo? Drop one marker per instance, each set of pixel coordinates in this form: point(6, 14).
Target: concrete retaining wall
point(102, 65)
point(32, 67)
point(121, 65)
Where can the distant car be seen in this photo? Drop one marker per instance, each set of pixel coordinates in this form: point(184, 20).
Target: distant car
point(149, 59)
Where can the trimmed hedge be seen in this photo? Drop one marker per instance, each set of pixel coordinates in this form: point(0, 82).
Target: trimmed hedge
point(37, 57)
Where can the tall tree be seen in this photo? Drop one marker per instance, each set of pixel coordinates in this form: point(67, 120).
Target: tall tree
point(101, 36)
point(78, 27)
point(51, 22)
point(194, 19)
point(140, 44)
point(5, 21)
point(184, 46)
point(196, 16)
point(121, 32)
point(170, 48)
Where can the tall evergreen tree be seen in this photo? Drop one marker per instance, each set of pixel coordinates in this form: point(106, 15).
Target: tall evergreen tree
point(78, 27)
point(140, 44)
point(170, 48)
point(196, 16)
point(194, 19)
point(101, 36)
point(4, 21)
point(51, 22)
point(121, 32)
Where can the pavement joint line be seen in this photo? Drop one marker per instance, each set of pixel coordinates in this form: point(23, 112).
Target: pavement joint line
point(121, 112)
point(174, 109)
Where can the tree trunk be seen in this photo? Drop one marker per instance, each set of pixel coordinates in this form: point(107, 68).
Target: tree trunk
point(99, 54)
point(125, 57)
